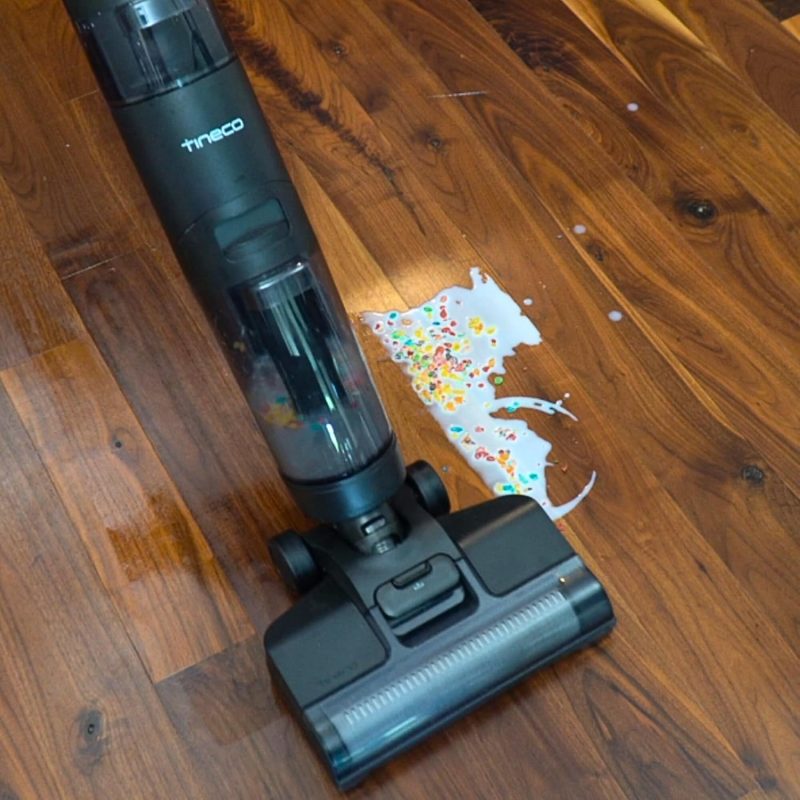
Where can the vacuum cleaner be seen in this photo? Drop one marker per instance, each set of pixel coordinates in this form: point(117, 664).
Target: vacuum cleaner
point(408, 615)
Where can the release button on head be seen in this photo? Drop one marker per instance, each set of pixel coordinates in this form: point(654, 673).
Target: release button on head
point(411, 575)
point(418, 587)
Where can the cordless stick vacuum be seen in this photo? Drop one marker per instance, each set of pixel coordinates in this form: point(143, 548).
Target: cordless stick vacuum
point(409, 616)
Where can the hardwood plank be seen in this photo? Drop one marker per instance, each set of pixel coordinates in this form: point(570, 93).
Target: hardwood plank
point(146, 547)
point(162, 353)
point(793, 25)
point(645, 753)
point(750, 43)
point(103, 155)
point(735, 237)
point(43, 29)
point(44, 163)
point(225, 712)
point(682, 591)
point(679, 69)
point(79, 715)
point(35, 312)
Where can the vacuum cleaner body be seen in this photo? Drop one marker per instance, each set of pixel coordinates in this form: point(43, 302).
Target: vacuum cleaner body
point(410, 615)
point(198, 138)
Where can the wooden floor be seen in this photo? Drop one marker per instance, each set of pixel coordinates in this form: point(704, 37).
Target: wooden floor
point(425, 136)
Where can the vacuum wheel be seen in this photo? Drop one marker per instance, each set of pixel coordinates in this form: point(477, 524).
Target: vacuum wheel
point(429, 488)
point(294, 561)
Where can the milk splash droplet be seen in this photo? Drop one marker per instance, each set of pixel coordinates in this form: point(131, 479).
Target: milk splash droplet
point(451, 349)
point(616, 316)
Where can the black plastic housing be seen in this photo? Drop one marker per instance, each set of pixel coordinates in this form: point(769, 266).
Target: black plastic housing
point(385, 650)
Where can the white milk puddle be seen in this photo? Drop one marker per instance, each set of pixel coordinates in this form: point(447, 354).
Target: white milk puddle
point(452, 348)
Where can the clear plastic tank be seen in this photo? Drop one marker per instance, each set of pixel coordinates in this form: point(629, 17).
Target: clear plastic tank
point(143, 48)
point(304, 376)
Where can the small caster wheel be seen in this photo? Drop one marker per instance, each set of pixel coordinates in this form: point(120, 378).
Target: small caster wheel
point(294, 562)
point(428, 487)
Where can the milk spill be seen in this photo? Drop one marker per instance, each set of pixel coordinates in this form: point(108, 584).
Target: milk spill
point(453, 348)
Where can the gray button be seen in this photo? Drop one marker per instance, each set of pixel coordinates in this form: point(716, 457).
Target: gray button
point(411, 575)
point(440, 578)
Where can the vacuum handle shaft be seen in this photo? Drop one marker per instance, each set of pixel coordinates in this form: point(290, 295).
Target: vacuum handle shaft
point(204, 151)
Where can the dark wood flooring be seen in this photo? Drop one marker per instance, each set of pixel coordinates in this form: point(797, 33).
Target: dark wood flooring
point(425, 136)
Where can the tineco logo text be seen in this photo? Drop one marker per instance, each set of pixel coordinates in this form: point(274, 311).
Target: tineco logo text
point(215, 135)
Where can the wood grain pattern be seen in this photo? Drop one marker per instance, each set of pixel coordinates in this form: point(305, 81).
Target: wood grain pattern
point(675, 65)
point(48, 36)
point(38, 150)
point(35, 314)
point(138, 497)
point(143, 543)
point(669, 298)
point(80, 717)
point(728, 228)
point(666, 164)
point(749, 43)
point(191, 410)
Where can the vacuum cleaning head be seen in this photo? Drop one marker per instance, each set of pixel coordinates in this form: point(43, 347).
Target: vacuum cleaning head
point(380, 652)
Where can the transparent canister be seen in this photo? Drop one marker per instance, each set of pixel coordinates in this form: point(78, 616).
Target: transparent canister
point(304, 375)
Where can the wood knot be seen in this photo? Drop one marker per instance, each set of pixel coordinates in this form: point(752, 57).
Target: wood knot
point(92, 725)
point(597, 252)
point(337, 48)
point(119, 437)
point(701, 210)
point(435, 143)
point(753, 474)
point(91, 739)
